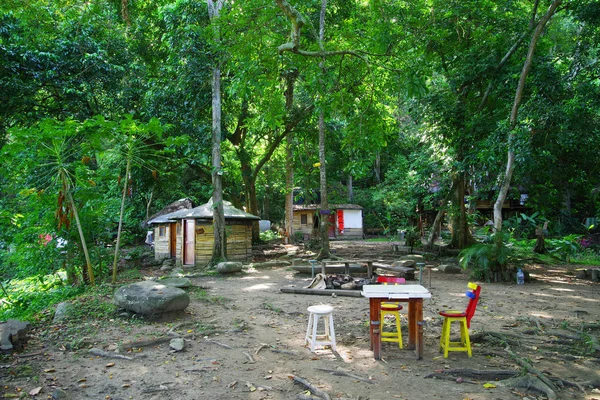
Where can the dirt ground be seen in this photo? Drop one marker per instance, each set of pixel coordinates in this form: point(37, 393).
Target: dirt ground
point(244, 339)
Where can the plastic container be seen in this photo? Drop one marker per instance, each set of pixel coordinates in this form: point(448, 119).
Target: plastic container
point(520, 277)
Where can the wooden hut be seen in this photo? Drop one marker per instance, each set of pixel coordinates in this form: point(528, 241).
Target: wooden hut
point(165, 243)
point(345, 220)
point(188, 235)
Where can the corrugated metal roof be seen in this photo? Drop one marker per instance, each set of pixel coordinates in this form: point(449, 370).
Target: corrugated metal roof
point(205, 211)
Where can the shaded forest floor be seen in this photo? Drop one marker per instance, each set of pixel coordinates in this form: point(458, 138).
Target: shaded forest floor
point(244, 340)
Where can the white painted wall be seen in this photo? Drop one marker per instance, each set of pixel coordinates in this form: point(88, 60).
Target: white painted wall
point(353, 219)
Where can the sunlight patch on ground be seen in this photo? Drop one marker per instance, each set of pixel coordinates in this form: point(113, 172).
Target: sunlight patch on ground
point(553, 296)
point(541, 315)
point(562, 289)
point(255, 277)
point(260, 286)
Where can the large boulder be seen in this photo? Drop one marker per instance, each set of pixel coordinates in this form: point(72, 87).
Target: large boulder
point(150, 297)
point(13, 334)
point(228, 267)
point(62, 312)
point(176, 282)
point(449, 268)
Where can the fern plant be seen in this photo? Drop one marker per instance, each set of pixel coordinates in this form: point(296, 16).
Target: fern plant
point(488, 260)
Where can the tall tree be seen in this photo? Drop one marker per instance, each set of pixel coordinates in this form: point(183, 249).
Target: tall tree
point(510, 162)
point(220, 241)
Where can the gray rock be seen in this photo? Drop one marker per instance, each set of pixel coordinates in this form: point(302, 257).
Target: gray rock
point(176, 282)
point(177, 344)
point(413, 257)
point(298, 261)
point(581, 274)
point(229, 267)
point(149, 297)
point(63, 311)
point(403, 263)
point(59, 394)
point(177, 271)
point(271, 264)
point(449, 269)
point(167, 267)
point(13, 334)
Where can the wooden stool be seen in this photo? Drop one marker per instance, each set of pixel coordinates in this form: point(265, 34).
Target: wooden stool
point(328, 337)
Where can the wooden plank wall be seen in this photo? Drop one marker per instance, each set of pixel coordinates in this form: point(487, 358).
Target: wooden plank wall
point(239, 240)
point(161, 243)
point(298, 227)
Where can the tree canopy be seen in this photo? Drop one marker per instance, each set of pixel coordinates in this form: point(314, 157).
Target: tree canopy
point(413, 101)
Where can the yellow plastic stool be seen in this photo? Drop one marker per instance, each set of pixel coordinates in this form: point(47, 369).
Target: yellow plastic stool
point(464, 320)
point(391, 309)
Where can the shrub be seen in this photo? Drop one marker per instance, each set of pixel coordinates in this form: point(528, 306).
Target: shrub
point(488, 260)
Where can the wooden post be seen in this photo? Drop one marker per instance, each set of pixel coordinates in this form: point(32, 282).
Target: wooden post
point(375, 326)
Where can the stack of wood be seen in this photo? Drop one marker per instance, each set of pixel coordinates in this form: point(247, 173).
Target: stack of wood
point(345, 282)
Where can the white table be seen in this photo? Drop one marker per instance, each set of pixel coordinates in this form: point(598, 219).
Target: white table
point(413, 295)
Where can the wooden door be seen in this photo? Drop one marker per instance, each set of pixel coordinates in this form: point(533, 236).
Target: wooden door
point(189, 242)
point(173, 239)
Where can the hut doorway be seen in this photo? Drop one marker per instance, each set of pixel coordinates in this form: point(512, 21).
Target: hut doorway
point(173, 240)
point(188, 242)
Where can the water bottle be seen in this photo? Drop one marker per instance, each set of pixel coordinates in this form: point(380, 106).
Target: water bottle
point(520, 277)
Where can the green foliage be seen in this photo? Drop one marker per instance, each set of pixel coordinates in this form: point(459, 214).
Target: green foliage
point(29, 296)
point(565, 248)
point(487, 260)
point(522, 225)
point(269, 235)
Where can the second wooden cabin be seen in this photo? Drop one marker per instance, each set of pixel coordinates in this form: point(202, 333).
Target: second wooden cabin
point(345, 220)
point(188, 235)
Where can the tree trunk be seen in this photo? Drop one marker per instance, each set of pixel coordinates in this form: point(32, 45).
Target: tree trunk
point(253, 208)
point(436, 227)
point(350, 189)
point(289, 160)
point(323, 218)
point(118, 244)
point(220, 242)
point(510, 162)
point(88, 262)
point(378, 167)
point(461, 234)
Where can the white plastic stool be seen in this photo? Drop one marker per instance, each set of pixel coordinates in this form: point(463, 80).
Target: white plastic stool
point(314, 339)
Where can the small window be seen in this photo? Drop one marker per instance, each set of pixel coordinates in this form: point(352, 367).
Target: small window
point(303, 219)
point(179, 228)
point(162, 231)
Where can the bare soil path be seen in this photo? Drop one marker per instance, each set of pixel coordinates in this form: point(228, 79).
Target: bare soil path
point(244, 340)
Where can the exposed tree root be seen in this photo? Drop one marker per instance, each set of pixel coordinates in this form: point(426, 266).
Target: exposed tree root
point(313, 389)
point(476, 374)
point(340, 372)
point(532, 369)
point(528, 382)
point(108, 354)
